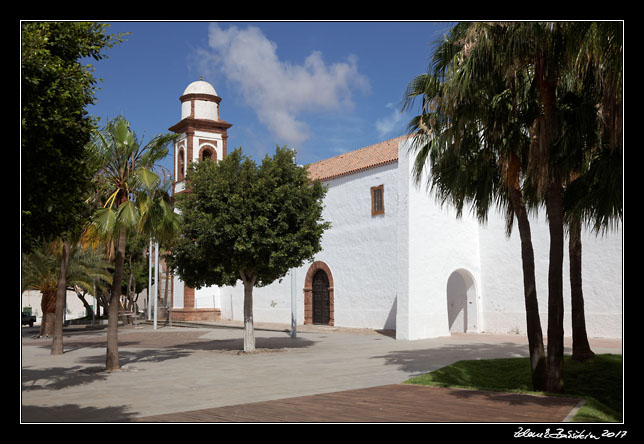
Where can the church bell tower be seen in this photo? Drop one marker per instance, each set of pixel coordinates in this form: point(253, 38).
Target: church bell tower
point(203, 134)
point(203, 137)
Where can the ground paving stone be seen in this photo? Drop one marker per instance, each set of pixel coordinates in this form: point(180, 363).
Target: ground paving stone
point(179, 369)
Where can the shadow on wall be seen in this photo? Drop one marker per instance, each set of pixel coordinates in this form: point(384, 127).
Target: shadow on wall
point(390, 323)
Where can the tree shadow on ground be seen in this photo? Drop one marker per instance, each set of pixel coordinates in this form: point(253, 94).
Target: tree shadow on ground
point(236, 345)
point(128, 358)
point(515, 398)
point(74, 413)
point(420, 361)
point(57, 378)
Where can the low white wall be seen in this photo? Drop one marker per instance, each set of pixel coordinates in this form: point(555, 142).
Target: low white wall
point(74, 306)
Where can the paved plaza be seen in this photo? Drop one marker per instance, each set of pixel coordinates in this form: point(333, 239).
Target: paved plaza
point(169, 371)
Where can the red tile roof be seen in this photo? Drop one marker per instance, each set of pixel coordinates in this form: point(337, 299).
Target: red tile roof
point(361, 159)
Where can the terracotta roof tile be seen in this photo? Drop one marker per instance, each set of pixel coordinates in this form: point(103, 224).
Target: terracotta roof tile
point(361, 159)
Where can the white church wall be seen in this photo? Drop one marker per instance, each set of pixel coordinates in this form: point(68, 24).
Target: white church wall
point(403, 321)
point(271, 303)
point(360, 248)
point(439, 244)
point(358, 251)
point(504, 309)
point(207, 297)
point(177, 292)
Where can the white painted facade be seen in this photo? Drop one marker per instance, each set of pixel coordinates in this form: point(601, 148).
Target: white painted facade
point(74, 308)
point(418, 270)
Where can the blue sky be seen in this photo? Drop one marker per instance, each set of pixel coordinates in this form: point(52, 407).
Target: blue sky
point(322, 88)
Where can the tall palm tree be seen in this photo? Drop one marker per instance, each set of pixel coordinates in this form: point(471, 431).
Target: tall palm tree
point(594, 194)
point(544, 56)
point(127, 175)
point(471, 135)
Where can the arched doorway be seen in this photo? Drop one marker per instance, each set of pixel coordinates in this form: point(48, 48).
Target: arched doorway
point(321, 302)
point(318, 295)
point(461, 302)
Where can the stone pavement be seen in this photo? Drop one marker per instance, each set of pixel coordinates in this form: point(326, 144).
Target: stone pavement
point(174, 370)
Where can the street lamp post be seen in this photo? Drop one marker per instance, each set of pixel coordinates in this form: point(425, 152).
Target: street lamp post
point(293, 310)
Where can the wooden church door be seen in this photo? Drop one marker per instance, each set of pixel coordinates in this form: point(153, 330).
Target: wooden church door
point(321, 300)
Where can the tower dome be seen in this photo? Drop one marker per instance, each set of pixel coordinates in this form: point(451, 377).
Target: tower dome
point(200, 87)
point(200, 101)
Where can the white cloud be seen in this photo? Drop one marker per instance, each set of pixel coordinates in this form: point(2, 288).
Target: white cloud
point(278, 91)
point(391, 124)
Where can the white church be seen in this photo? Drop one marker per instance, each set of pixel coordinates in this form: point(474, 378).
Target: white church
point(394, 259)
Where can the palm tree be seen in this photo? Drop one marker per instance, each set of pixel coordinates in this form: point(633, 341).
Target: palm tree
point(127, 176)
point(471, 134)
point(594, 193)
point(41, 271)
point(540, 59)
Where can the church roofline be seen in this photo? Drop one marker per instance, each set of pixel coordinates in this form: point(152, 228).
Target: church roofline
point(372, 156)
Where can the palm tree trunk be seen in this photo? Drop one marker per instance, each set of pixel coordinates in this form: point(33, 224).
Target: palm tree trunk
point(580, 346)
point(554, 206)
point(546, 79)
point(112, 358)
point(48, 307)
point(61, 296)
point(538, 364)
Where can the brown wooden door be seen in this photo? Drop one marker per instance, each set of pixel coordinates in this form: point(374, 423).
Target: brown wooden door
point(321, 300)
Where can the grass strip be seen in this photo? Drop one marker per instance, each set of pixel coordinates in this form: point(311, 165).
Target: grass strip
point(598, 381)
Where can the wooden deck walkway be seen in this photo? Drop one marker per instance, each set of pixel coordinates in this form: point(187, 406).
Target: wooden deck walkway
point(390, 403)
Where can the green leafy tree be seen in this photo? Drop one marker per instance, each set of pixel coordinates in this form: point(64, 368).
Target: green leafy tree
point(55, 127)
point(248, 222)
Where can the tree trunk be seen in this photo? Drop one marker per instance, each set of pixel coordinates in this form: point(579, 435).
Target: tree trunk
point(249, 330)
point(538, 365)
point(580, 346)
point(112, 357)
point(48, 307)
point(81, 296)
point(129, 298)
point(61, 296)
point(554, 205)
point(546, 77)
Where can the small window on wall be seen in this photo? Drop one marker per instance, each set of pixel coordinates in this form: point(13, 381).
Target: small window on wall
point(378, 200)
